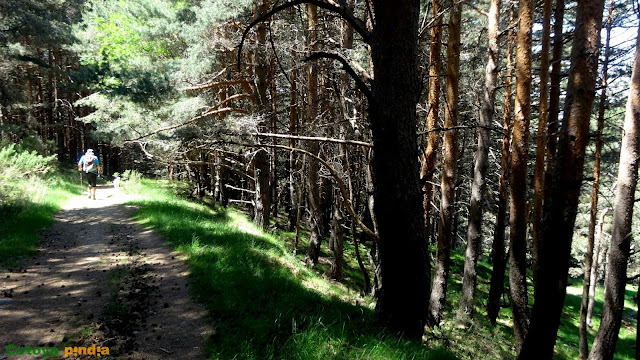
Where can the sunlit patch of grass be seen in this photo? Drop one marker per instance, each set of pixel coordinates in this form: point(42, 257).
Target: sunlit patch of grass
point(568, 335)
point(265, 303)
point(24, 220)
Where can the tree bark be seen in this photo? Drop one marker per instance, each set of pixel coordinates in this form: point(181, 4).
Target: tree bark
point(496, 287)
point(293, 128)
point(589, 258)
point(518, 194)
point(593, 283)
point(554, 98)
point(430, 155)
point(273, 156)
point(315, 225)
point(261, 159)
point(403, 267)
point(560, 215)
point(336, 244)
point(478, 186)
point(449, 155)
point(604, 344)
point(541, 141)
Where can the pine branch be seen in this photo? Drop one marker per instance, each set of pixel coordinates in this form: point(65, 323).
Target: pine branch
point(342, 10)
point(346, 67)
point(207, 114)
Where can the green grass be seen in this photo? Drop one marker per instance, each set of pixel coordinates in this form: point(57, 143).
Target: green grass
point(24, 220)
point(568, 332)
point(264, 303)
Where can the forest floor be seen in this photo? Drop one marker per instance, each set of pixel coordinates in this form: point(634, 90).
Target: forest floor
point(101, 279)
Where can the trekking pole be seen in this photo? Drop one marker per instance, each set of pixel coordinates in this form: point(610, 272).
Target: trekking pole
point(81, 187)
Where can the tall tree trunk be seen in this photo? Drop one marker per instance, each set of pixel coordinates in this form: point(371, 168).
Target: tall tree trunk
point(555, 245)
point(593, 283)
point(293, 128)
point(261, 159)
point(336, 244)
point(518, 195)
point(315, 236)
point(541, 141)
point(593, 215)
point(478, 186)
point(638, 324)
point(555, 78)
point(496, 287)
point(604, 344)
point(430, 156)
point(449, 155)
point(403, 265)
point(273, 164)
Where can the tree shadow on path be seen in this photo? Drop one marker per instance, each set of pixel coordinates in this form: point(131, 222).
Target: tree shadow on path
point(92, 259)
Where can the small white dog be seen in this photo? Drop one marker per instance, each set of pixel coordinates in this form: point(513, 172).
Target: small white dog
point(116, 182)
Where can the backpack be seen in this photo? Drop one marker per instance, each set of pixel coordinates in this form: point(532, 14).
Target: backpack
point(89, 163)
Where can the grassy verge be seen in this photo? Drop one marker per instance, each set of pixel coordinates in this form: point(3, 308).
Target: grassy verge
point(23, 220)
point(264, 302)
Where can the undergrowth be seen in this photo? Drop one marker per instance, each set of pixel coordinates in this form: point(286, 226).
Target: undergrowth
point(31, 192)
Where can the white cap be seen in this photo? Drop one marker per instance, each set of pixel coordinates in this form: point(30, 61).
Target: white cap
point(89, 151)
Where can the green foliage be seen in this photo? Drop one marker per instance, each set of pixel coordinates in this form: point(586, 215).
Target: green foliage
point(130, 181)
point(27, 29)
point(265, 303)
point(28, 205)
point(21, 174)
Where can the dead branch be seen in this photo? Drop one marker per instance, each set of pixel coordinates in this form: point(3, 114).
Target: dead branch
point(197, 118)
point(633, 278)
point(461, 127)
point(239, 189)
point(215, 84)
point(340, 183)
point(211, 163)
point(241, 201)
point(314, 138)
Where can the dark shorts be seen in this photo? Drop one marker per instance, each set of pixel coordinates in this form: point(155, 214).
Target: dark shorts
point(91, 178)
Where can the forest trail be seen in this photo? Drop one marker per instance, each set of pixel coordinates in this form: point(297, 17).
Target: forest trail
point(102, 279)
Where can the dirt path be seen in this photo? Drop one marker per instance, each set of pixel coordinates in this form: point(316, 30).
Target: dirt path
point(101, 279)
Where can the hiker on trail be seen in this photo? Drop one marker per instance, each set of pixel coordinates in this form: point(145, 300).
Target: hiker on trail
point(90, 164)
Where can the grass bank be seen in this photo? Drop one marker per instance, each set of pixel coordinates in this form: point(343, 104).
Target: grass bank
point(25, 217)
point(264, 302)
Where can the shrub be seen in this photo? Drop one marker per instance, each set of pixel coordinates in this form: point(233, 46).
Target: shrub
point(22, 174)
point(130, 180)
